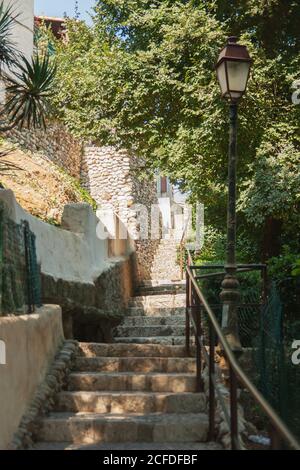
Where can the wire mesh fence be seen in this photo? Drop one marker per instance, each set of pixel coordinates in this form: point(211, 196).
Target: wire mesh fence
point(278, 377)
point(268, 329)
point(20, 287)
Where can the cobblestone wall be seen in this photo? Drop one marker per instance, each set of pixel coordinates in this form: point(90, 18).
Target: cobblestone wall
point(113, 180)
point(56, 143)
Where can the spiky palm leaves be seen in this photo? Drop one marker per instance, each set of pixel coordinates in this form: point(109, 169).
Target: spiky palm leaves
point(28, 85)
point(29, 91)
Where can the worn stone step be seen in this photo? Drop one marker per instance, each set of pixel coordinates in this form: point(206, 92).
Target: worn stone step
point(149, 311)
point(175, 320)
point(135, 350)
point(135, 364)
point(160, 289)
point(161, 301)
point(197, 446)
point(131, 402)
point(163, 340)
point(131, 381)
point(88, 428)
point(149, 331)
point(157, 283)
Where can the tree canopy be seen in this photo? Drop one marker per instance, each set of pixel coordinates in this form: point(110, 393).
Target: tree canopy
point(142, 77)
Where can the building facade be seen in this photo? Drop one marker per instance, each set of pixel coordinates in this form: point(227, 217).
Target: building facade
point(22, 34)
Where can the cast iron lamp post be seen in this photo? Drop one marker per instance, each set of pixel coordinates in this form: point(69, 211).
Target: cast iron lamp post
point(233, 70)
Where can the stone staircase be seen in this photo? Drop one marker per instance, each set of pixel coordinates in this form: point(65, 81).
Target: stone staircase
point(164, 265)
point(155, 315)
point(140, 395)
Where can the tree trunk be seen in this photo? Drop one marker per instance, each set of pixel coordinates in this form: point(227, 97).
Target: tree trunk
point(271, 240)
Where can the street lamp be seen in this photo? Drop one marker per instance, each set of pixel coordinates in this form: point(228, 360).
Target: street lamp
point(233, 70)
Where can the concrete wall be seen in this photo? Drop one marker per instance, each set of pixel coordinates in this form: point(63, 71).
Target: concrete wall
point(31, 342)
point(23, 11)
point(72, 253)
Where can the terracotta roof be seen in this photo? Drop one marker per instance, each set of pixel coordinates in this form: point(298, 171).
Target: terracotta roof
point(49, 18)
point(57, 24)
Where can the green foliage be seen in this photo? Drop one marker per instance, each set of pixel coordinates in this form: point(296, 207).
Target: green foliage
point(142, 77)
point(29, 92)
point(274, 189)
point(281, 267)
point(296, 268)
point(82, 193)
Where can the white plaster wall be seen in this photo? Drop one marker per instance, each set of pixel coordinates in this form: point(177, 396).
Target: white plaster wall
point(22, 34)
point(75, 254)
point(165, 209)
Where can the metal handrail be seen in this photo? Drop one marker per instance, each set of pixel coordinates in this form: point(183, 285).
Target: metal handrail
point(278, 426)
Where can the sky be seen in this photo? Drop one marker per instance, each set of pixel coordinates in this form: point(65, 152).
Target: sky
point(59, 7)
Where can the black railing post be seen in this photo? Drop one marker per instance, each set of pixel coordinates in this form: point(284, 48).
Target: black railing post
point(187, 314)
point(276, 443)
point(28, 267)
point(233, 409)
point(211, 383)
point(198, 333)
point(264, 274)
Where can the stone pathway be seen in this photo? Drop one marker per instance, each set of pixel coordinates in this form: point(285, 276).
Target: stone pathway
point(133, 396)
point(155, 315)
point(165, 265)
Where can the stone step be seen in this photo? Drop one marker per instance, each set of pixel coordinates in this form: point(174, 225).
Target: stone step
point(160, 301)
point(88, 428)
point(135, 364)
point(152, 283)
point(170, 289)
point(155, 311)
point(135, 350)
point(196, 446)
point(149, 331)
point(131, 402)
point(163, 340)
point(175, 320)
point(131, 381)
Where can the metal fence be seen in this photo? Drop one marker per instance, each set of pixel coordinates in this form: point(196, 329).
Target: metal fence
point(278, 378)
point(203, 324)
point(269, 322)
point(20, 286)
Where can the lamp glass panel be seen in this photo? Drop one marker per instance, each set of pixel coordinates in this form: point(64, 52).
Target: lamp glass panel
point(221, 73)
point(237, 75)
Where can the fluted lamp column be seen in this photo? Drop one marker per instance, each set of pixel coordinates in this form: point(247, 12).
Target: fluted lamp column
point(233, 70)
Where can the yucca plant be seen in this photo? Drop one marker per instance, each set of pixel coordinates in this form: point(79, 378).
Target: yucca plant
point(28, 84)
point(28, 93)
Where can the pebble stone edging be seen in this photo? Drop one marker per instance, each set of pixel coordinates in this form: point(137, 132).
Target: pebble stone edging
point(44, 398)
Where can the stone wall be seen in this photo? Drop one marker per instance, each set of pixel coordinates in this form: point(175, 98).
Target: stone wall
point(91, 311)
point(31, 342)
point(113, 179)
point(55, 143)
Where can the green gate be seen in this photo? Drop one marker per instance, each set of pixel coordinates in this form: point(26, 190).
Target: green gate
point(20, 285)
